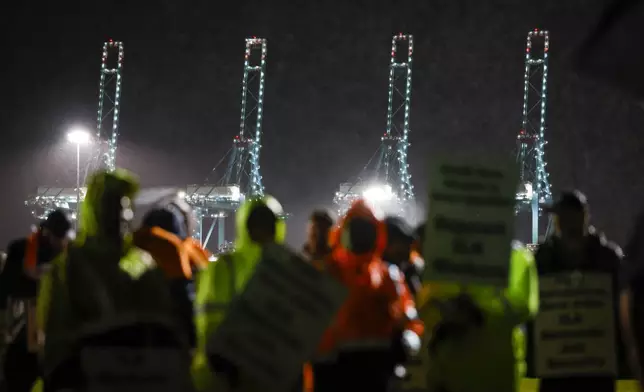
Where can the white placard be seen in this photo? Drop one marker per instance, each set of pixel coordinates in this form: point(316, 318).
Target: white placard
point(575, 328)
point(471, 221)
point(276, 323)
point(136, 369)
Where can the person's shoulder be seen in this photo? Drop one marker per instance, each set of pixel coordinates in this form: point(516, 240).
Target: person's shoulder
point(221, 261)
point(142, 256)
point(15, 254)
point(548, 243)
point(521, 254)
point(16, 246)
point(608, 248)
point(546, 250)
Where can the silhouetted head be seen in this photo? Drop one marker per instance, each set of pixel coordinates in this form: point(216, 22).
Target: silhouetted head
point(400, 237)
point(261, 224)
point(319, 227)
point(165, 219)
point(571, 215)
point(55, 230)
point(359, 235)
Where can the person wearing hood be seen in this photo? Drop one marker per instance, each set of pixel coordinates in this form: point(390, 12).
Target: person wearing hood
point(102, 276)
point(377, 328)
point(259, 222)
point(27, 260)
point(165, 235)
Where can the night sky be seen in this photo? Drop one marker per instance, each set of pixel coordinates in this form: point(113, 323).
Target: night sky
point(326, 94)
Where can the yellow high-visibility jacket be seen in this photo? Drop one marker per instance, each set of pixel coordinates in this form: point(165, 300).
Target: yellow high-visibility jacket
point(85, 285)
point(491, 358)
point(223, 279)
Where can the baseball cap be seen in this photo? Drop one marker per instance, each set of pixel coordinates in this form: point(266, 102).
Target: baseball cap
point(570, 201)
point(167, 220)
point(397, 228)
point(58, 223)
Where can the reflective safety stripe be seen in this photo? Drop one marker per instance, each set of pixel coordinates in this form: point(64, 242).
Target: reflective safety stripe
point(397, 278)
point(411, 313)
point(417, 262)
point(13, 331)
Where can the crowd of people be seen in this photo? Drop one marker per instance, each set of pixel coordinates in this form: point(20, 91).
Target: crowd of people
point(65, 303)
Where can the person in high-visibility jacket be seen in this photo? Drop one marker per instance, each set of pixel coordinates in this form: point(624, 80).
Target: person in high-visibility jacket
point(377, 327)
point(259, 221)
point(475, 343)
point(101, 275)
point(164, 234)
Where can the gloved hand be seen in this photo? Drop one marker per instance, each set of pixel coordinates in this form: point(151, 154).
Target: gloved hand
point(222, 366)
point(459, 315)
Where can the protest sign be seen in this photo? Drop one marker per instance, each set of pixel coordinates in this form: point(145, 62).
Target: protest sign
point(471, 221)
point(276, 323)
point(575, 328)
point(124, 369)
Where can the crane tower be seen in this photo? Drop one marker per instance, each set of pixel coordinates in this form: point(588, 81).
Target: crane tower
point(534, 183)
point(49, 198)
point(214, 202)
point(109, 105)
point(386, 178)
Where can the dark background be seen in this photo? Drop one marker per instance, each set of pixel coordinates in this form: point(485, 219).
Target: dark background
point(326, 94)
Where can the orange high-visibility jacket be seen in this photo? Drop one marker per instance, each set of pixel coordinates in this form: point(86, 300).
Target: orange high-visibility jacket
point(379, 304)
point(176, 258)
point(30, 262)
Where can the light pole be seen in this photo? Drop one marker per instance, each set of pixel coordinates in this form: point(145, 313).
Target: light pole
point(78, 136)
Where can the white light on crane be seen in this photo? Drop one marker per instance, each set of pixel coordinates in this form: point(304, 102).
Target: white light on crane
point(528, 191)
point(378, 193)
point(235, 193)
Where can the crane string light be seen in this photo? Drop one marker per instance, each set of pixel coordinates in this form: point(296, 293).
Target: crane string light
point(531, 142)
point(109, 104)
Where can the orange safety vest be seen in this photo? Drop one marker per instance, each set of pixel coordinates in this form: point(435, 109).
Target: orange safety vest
point(31, 269)
point(174, 257)
point(307, 375)
point(30, 262)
